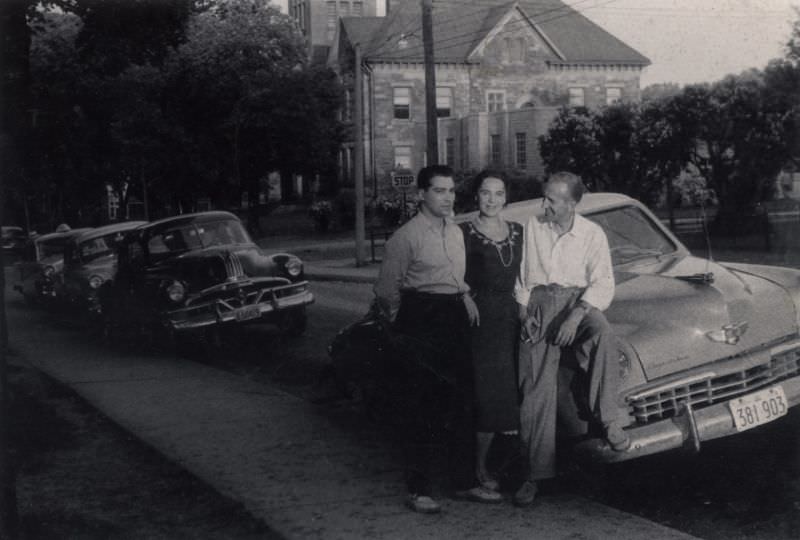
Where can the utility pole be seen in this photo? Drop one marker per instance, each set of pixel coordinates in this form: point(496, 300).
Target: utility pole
point(430, 83)
point(358, 157)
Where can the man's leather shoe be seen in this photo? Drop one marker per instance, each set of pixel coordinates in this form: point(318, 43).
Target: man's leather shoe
point(617, 439)
point(422, 504)
point(526, 494)
point(479, 494)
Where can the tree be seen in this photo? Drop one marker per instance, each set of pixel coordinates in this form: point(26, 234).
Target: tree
point(118, 33)
point(572, 143)
point(625, 147)
point(793, 44)
point(740, 137)
point(248, 102)
point(659, 91)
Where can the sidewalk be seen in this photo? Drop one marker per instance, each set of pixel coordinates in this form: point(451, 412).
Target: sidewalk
point(305, 470)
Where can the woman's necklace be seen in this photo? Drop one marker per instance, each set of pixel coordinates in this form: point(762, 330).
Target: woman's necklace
point(498, 245)
point(499, 248)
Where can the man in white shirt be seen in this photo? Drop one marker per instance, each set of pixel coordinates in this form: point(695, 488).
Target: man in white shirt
point(566, 281)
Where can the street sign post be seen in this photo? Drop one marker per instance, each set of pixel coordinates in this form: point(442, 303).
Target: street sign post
point(404, 181)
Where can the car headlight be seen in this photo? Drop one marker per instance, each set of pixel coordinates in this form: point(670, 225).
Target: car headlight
point(48, 271)
point(95, 282)
point(294, 267)
point(176, 291)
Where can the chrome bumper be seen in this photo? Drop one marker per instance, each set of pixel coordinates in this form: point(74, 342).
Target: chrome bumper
point(686, 430)
point(220, 312)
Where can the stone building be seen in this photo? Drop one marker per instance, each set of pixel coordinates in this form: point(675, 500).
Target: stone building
point(503, 69)
point(318, 20)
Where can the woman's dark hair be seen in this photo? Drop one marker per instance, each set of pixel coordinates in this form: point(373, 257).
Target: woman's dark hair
point(488, 173)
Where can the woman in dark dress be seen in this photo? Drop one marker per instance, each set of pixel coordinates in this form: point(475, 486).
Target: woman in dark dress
point(494, 249)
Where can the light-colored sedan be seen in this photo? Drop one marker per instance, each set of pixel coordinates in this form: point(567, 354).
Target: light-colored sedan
point(707, 349)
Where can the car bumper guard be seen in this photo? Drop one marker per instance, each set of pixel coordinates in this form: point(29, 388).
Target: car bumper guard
point(220, 311)
point(688, 429)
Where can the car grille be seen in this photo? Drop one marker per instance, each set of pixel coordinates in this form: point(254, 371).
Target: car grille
point(665, 403)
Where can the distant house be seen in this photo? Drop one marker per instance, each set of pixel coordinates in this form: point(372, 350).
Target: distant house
point(502, 71)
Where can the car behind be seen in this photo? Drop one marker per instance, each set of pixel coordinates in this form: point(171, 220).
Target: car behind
point(200, 272)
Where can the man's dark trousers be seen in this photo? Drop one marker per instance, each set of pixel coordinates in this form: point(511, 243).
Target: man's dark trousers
point(435, 331)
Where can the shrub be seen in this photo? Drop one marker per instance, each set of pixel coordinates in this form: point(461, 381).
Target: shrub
point(321, 212)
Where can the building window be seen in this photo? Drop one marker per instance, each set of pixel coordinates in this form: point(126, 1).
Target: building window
point(495, 101)
point(513, 50)
point(613, 95)
point(331, 20)
point(494, 149)
point(113, 205)
point(449, 152)
point(402, 103)
point(351, 163)
point(358, 9)
point(344, 8)
point(402, 157)
point(444, 102)
point(522, 150)
point(576, 97)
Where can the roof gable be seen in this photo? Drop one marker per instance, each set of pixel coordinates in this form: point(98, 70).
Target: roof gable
point(513, 22)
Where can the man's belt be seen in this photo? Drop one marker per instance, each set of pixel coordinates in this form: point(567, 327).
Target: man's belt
point(554, 288)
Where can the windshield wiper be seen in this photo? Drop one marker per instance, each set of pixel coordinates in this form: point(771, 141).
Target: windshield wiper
point(635, 253)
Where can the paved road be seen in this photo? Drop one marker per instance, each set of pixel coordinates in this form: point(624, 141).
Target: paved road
point(309, 472)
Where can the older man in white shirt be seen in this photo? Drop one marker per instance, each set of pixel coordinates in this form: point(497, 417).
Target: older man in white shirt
point(565, 283)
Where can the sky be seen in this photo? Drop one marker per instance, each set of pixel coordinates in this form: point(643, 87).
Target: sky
point(691, 41)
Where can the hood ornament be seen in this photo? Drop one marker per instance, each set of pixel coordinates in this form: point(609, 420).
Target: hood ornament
point(703, 278)
point(729, 334)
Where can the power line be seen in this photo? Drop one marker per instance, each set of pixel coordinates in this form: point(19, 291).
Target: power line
point(408, 32)
point(507, 29)
point(491, 6)
point(747, 12)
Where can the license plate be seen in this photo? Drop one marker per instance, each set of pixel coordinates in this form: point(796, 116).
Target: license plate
point(758, 408)
point(247, 313)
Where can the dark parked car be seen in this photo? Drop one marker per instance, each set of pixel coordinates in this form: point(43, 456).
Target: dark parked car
point(38, 276)
point(13, 238)
point(707, 349)
point(90, 260)
point(202, 271)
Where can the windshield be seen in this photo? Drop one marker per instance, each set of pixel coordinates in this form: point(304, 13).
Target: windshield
point(632, 235)
point(98, 247)
point(197, 236)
